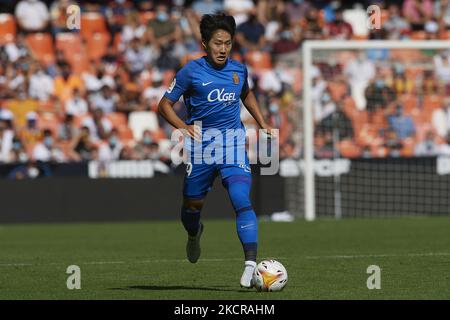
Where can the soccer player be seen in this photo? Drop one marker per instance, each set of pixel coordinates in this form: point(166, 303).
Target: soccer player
point(212, 87)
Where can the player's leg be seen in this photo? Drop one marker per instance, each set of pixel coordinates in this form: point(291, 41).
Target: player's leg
point(237, 180)
point(197, 183)
point(190, 217)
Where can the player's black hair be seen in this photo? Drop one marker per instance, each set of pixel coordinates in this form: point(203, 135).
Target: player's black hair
point(212, 22)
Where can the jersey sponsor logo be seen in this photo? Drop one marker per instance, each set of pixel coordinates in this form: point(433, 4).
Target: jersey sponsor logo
point(221, 95)
point(172, 85)
point(206, 83)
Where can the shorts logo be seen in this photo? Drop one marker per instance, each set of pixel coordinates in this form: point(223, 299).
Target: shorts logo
point(235, 78)
point(246, 168)
point(172, 85)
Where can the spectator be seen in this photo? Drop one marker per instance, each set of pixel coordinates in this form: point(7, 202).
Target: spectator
point(417, 12)
point(162, 31)
point(17, 50)
point(360, 71)
point(6, 142)
point(77, 105)
point(65, 83)
point(202, 7)
point(137, 58)
point(324, 106)
point(95, 81)
point(428, 147)
point(337, 120)
point(396, 26)
point(18, 152)
point(132, 29)
point(40, 83)
point(67, 130)
point(393, 143)
point(402, 124)
point(46, 150)
point(110, 150)
point(250, 35)
point(98, 125)
point(106, 100)
point(440, 119)
point(32, 16)
point(31, 133)
point(442, 68)
point(297, 10)
point(444, 149)
point(327, 150)
point(142, 148)
point(239, 9)
point(154, 93)
point(58, 15)
point(288, 38)
point(83, 146)
point(339, 29)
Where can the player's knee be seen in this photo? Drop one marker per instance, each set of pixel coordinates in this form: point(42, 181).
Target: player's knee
point(193, 204)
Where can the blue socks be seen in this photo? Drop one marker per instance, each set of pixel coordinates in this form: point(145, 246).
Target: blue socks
point(190, 220)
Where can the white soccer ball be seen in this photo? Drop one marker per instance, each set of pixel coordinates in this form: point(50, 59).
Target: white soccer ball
point(270, 275)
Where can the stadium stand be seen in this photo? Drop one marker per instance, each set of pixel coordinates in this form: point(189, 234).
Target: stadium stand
point(102, 49)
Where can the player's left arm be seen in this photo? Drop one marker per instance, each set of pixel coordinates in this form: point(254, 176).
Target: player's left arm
point(251, 104)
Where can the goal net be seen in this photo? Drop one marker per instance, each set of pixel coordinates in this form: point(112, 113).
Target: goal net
point(376, 117)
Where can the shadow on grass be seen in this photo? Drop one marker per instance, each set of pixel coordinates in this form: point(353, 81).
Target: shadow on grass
point(168, 287)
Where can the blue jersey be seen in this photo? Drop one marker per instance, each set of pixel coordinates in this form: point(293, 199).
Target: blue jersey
point(211, 95)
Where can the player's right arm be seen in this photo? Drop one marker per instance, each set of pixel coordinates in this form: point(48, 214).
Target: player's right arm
point(178, 87)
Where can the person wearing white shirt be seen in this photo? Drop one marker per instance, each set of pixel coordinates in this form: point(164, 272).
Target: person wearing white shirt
point(32, 15)
point(77, 105)
point(40, 85)
point(99, 126)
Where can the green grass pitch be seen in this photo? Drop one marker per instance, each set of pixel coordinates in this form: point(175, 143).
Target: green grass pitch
point(325, 259)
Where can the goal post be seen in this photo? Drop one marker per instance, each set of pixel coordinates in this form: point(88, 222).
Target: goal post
point(310, 51)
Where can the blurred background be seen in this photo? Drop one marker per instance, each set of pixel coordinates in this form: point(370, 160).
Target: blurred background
point(82, 103)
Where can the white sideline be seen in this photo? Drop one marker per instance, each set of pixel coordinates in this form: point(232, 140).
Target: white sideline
point(426, 254)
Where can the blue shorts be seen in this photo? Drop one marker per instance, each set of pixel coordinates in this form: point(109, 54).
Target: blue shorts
point(199, 178)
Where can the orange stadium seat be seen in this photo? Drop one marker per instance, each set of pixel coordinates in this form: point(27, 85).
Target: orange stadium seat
point(79, 63)
point(7, 28)
point(125, 133)
point(48, 121)
point(97, 45)
point(91, 23)
point(70, 43)
point(118, 119)
point(444, 35)
point(419, 35)
point(41, 45)
point(258, 60)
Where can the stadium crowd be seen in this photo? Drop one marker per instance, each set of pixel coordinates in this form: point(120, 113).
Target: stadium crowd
point(92, 93)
